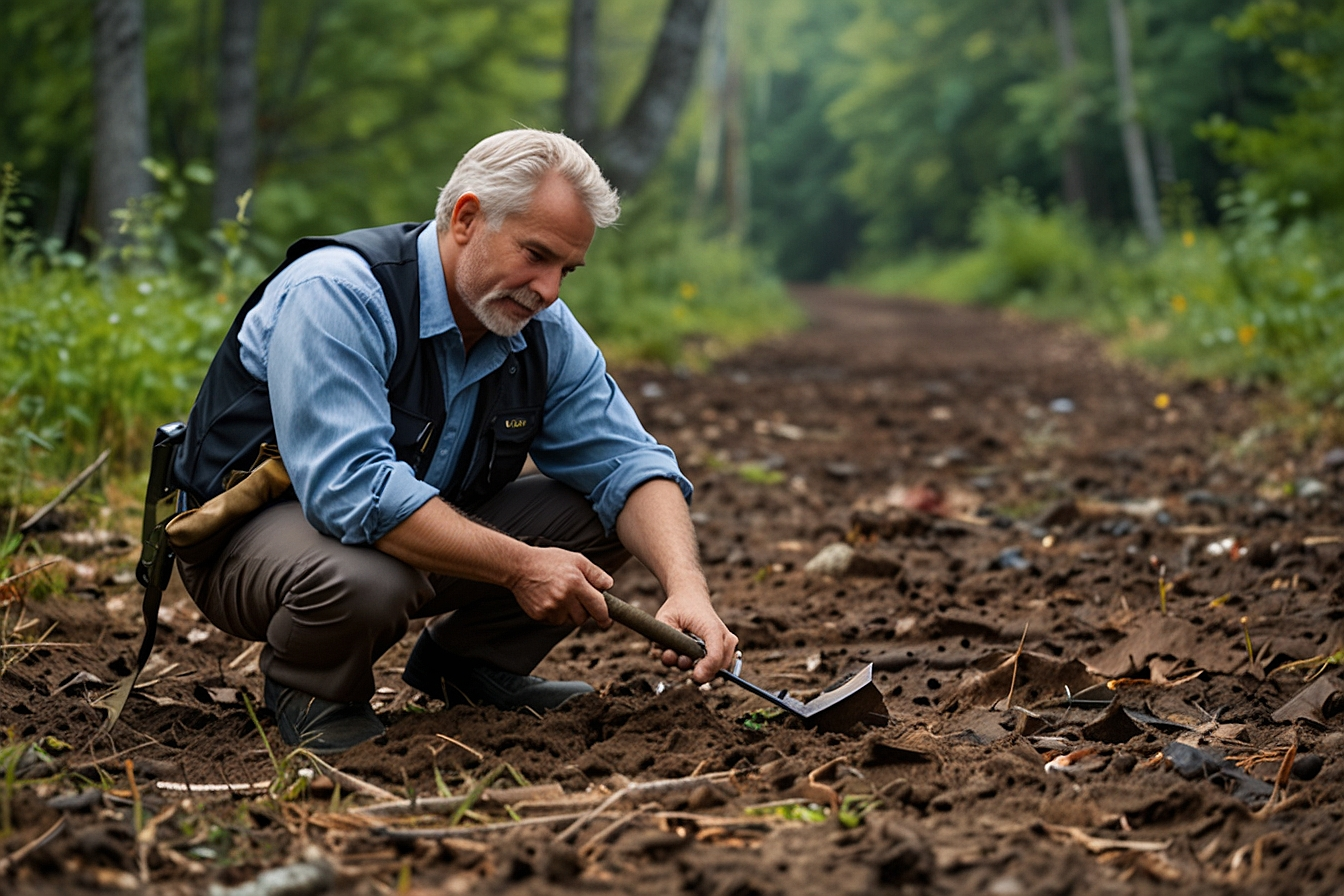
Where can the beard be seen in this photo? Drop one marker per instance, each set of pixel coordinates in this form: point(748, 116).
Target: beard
point(497, 309)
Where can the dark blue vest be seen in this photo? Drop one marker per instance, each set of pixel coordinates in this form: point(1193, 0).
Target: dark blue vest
point(232, 419)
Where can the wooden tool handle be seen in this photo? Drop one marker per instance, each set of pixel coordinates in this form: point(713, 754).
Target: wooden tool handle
point(659, 632)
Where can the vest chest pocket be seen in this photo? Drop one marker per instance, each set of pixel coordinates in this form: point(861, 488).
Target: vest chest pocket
point(511, 435)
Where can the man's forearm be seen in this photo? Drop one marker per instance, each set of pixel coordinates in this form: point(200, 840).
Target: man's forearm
point(551, 585)
point(438, 539)
point(655, 527)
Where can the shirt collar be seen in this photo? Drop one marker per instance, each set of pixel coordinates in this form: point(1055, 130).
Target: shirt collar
point(436, 315)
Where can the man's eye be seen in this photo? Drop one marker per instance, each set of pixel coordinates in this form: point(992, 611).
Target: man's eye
point(533, 255)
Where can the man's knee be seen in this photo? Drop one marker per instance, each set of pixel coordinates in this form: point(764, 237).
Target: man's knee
point(360, 587)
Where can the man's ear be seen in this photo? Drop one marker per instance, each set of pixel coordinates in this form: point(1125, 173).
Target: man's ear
point(466, 218)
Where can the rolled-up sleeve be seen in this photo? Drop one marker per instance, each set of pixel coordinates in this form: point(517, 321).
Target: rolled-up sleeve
point(591, 439)
point(327, 361)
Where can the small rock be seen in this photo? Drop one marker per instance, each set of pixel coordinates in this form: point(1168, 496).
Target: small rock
point(1311, 488)
point(1062, 406)
point(1201, 497)
point(842, 470)
point(832, 560)
point(1333, 459)
point(1307, 766)
point(651, 391)
point(1010, 558)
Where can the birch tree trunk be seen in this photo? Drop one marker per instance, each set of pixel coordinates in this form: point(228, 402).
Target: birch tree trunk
point(120, 111)
point(236, 101)
point(1131, 131)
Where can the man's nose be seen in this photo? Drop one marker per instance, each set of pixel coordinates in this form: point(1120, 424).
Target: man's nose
point(547, 286)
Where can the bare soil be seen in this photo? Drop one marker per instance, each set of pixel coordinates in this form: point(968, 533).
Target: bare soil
point(1021, 510)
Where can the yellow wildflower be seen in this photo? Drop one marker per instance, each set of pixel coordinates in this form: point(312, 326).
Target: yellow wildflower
point(1188, 238)
point(1178, 303)
point(689, 290)
point(1162, 401)
point(1246, 333)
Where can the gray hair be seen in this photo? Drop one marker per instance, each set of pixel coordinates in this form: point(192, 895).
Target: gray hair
point(503, 171)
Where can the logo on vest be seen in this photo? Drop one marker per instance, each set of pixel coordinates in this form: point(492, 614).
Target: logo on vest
point(516, 422)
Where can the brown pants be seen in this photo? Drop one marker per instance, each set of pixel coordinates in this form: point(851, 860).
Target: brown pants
point(327, 610)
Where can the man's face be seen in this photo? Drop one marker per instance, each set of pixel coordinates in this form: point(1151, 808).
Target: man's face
point(506, 276)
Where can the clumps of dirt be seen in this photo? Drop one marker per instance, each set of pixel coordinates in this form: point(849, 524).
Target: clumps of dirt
point(1054, 594)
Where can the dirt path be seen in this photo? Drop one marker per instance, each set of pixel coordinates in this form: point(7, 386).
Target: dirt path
point(1017, 509)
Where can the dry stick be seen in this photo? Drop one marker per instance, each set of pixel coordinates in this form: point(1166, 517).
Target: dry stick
point(1280, 782)
point(22, 852)
point(179, 787)
point(511, 795)
point(1012, 684)
point(648, 788)
point(66, 492)
point(457, 743)
point(349, 781)
point(595, 842)
point(473, 830)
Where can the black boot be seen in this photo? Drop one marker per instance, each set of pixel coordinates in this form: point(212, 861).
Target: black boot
point(317, 725)
point(453, 680)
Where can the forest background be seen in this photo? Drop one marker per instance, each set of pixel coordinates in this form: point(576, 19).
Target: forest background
point(1164, 171)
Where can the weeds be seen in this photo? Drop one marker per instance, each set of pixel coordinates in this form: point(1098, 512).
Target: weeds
point(1260, 298)
point(18, 758)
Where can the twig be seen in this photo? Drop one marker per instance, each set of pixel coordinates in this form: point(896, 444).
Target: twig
point(648, 788)
point(22, 852)
point(475, 829)
point(1102, 844)
point(457, 743)
point(66, 492)
point(551, 793)
point(8, 593)
point(179, 787)
point(597, 840)
point(247, 654)
point(1280, 781)
point(349, 781)
point(1017, 655)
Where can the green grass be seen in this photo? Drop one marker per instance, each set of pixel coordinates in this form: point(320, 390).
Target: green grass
point(1258, 299)
point(95, 353)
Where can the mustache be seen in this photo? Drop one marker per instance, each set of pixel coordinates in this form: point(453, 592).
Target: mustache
point(523, 296)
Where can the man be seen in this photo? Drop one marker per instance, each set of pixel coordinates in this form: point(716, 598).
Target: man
point(405, 373)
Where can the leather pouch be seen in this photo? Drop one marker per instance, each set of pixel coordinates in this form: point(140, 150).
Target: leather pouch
point(209, 524)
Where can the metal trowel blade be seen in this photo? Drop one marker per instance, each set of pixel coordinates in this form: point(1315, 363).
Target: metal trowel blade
point(848, 701)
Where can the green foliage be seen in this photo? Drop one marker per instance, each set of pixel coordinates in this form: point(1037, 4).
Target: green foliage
point(96, 355)
point(1255, 300)
point(1299, 152)
point(654, 289)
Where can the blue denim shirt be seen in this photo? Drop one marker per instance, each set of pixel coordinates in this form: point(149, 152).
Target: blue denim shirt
point(323, 341)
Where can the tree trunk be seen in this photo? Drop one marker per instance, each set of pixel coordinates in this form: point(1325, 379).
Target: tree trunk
point(630, 151)
point(581, 93)
point(715, 84)
point(1075, 183)
point(1131, 131)
point(120, 111)
point(236, 139)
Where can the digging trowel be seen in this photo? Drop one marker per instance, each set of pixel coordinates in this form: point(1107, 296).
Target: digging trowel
point(854, 698)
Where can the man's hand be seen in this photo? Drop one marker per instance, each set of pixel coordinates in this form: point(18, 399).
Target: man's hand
point(551, 585)
point(560, 587)
point(698, 617)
